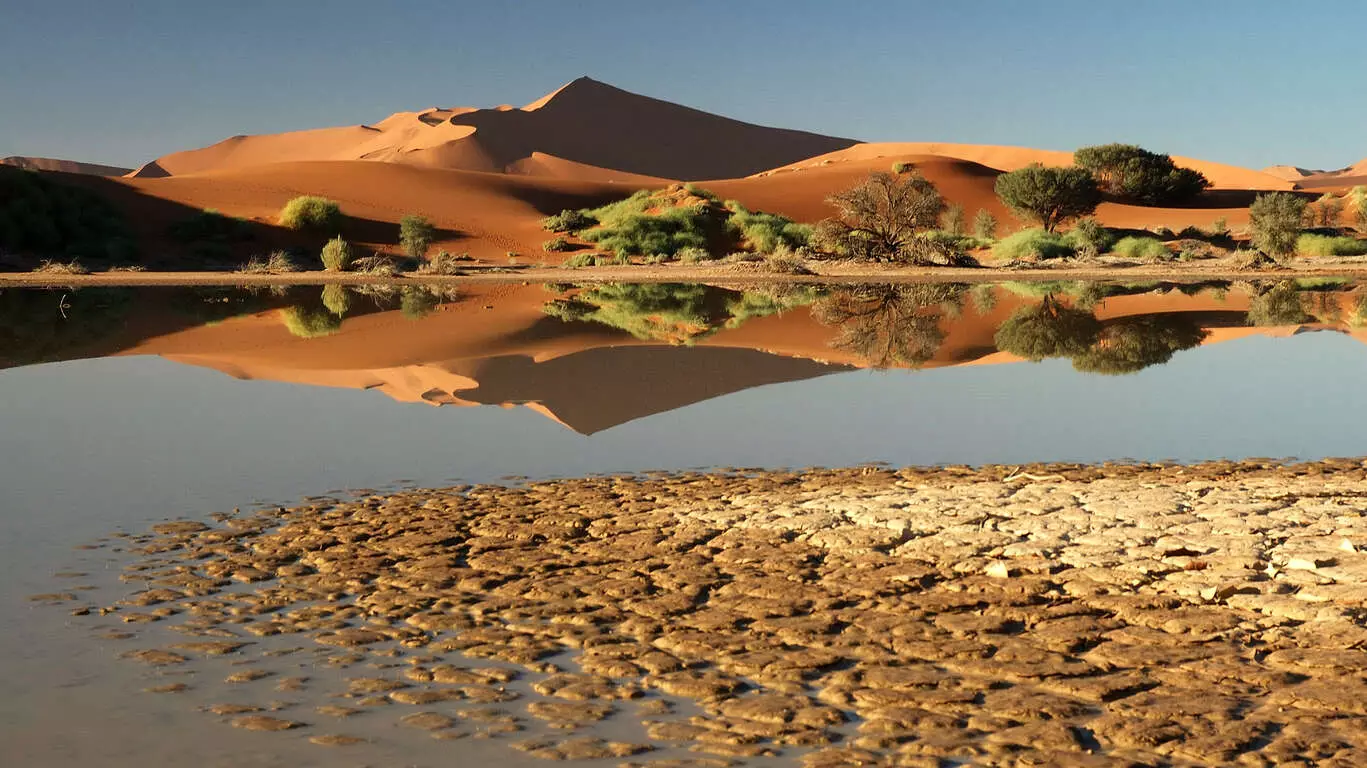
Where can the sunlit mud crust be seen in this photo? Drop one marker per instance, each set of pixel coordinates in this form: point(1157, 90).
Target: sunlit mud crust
point(1120, 614)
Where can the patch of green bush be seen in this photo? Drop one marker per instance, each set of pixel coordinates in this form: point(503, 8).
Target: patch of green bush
point(1310, 244)
point(902, 167)
point(1032, 243)
point(416, 234)
point(568, 220)
point(311, 212)
point(337, 299)
point(985, 225)
point(556, 245)
point(337, 255)
point(1141, 249)
point(766, 232)
point(1089, 238)
point(580, 260)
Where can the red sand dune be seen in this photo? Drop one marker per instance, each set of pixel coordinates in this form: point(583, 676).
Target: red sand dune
point(585, 122)
point(64, 166)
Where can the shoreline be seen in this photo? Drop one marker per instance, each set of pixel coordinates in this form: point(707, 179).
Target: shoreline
point(647, 274)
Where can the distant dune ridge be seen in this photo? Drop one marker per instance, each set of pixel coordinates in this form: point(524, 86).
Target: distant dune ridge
point(65, 166)
point(584, 122)
point(1309, 179)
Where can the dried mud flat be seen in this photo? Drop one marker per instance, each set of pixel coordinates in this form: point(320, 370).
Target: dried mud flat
point(1048, 615)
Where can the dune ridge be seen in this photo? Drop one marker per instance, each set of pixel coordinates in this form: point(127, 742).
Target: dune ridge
point(63, 166)
point(585, 122)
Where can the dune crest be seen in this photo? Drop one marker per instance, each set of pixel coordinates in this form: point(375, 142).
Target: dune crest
point(64, 166)
point(586, 122)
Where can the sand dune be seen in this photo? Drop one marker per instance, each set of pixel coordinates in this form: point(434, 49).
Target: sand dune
point(584, 122)
point(1010, 158)
point(65, 166)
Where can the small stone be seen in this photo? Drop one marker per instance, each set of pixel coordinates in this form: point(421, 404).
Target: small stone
point(427, 721)
point(998, 570)
point(156, 658)
point(264, 723)
point(336, 740)
point(247, 676)
point(168, 688)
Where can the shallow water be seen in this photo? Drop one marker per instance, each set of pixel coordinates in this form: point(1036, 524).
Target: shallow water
point(116, 414)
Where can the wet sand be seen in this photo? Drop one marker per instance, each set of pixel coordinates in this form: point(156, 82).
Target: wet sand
point(1061, 615)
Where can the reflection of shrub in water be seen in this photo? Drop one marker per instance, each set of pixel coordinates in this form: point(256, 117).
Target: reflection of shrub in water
point(1133, 344)
point(768, 300)
point(1280, 305)
point(337, 299)
point(1047, 329)
point(889, 325)
point(416, 302)
point(675, 312)
point(310, 323)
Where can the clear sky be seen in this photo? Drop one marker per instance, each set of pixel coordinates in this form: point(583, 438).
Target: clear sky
point(1249, 82)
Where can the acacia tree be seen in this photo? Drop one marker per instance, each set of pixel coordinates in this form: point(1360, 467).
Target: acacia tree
point(1330, 208)
point(879, 220)
point(1049, 196)
point(1137, 174)
point(1133, 344)
point(1275, 219)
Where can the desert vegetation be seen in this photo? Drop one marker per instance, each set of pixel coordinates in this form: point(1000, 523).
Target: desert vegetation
point(311, 212)
point(416, 234)
point(1275, 222)
point(276, 263)
point(1137, 175)
point(336, 255)
point(1049, 196)
point(888, 219)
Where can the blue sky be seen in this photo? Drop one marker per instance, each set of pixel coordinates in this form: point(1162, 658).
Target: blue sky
point(1249, 82)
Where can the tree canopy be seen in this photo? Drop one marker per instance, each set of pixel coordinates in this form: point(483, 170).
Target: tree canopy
point(1138, 175)
point(1275, 220)
point(1049, 196)
point(879, 219)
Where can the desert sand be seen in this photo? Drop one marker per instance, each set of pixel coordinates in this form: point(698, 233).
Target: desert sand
point(487, 176)
point(64, 166)
point(1057, 614)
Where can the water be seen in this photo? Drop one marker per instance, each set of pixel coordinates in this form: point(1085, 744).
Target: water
point(117, 413)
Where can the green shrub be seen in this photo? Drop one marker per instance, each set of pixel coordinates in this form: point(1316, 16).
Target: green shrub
point(556, 245)
point(1141, 249)
point(337, 255)
point(766, 232)
point(310, 323)
point(416, 234)
point(1048, 196)
point(1218, 228)
point(1089, 238)
point(1310, 244)
point(311, 212)
point(1031, 243)
point(580, 260)
point(902, 167)
point(568, 220)
point(1275, 219)
point(985, 225)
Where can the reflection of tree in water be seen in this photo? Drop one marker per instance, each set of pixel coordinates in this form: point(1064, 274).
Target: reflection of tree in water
point(1126, 345)
point(1282, 304)
point(679, 313)
point(1133, 344)
point(890, 325)
point(1047, 329)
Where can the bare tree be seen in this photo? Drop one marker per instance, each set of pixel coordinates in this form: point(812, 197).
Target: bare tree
point(880, 219)
point(890, 325)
